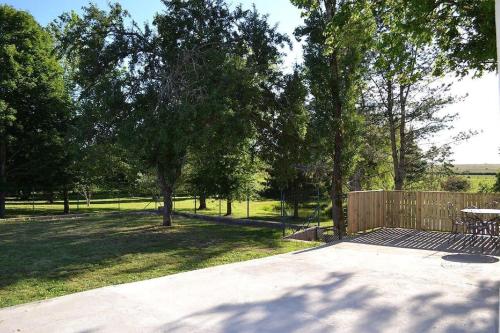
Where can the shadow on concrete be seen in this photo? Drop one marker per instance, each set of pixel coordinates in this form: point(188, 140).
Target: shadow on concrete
point(470, 258)
point(429, 240)
point(338, 307)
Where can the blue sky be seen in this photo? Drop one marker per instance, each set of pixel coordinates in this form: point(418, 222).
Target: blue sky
point(480, 111)
point(281, 12)
point(45, 11)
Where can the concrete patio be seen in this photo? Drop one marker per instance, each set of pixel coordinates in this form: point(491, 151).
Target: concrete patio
point(353, 286)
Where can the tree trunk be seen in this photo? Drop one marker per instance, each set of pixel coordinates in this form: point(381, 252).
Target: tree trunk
point(398, 183)
point(166, 191)
point(66, 201)
point(203, 202)
point(167, 205)
point(229, 207)
point(356, 180)
point(336, 193)
point(398, 180)
point(88, 195)
point(337, 215)
point(402, 139)
point(50, 197)
point(3, 180)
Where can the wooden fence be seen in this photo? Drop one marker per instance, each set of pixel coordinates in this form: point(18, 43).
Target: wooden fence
point(370, 210)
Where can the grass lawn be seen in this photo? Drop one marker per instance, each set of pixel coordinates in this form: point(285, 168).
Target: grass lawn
point(16, 208)
point(265, 209)
point(39, 260)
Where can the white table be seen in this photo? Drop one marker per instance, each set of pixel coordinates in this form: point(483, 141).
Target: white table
point(481, 211)
point(485, 211)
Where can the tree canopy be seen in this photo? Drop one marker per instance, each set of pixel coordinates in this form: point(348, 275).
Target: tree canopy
point(199, 99)
point(34, 107)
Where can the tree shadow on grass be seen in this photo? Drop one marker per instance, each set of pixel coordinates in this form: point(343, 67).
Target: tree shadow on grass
point(57, 251)
point(335, 306)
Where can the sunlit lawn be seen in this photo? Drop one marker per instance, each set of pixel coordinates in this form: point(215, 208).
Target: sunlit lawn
point(43, 259)
point(264, 209)
point(41, 207)
point(477, 180)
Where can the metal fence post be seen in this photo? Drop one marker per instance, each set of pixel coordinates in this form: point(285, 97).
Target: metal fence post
point(281, 204)
point(281, 212)
point(195, 203)
point(318, 204)
point(248, 206)
point(220, 203)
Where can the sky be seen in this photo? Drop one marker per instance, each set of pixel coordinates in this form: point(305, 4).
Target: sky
point(479, 111)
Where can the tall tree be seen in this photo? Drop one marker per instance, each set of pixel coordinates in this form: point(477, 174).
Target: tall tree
point(34, 106)
point(285, 145)
point(162, 70)
point(407, 98)
point(166, 75)
point(338, 34)
point(225, 155)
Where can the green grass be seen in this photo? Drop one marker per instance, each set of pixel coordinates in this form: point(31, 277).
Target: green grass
point(259, 209)
point(265, 209)
point(17, 208)
point(477, 180)
point(40, 260)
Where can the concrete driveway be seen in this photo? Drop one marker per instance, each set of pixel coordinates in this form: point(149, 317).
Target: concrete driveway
point(347, 287)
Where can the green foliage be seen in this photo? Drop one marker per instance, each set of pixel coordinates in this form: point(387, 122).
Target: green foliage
point(456, 184)
point(163, 91)
point(284, 140)
point(224, 160)
point(484, 188)
point(338, 36)
point(496, 186)
point(34, 107)
point(464, 31)
point(200, 92)
point(403, 95)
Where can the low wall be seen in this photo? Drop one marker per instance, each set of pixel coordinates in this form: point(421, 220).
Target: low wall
point(309, 234)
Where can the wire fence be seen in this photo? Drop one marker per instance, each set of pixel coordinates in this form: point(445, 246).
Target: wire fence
point(286, 207)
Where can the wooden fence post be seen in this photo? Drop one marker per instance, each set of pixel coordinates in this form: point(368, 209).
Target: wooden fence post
point(419, 211)
point(384, 203)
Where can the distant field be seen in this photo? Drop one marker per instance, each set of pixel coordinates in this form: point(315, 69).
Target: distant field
point(476, 169)
point(477, 180)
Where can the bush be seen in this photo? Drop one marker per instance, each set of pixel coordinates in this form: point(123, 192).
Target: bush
point(455, 184)
point(496, 187)
point(485, 188)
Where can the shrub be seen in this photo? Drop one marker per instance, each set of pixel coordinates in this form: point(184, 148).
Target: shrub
point(456, 184)
point(496, 187)
point(485, 188)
